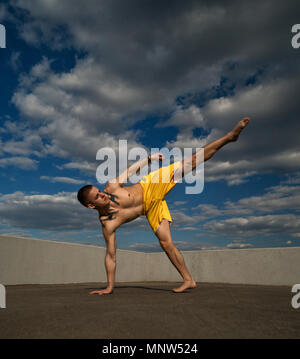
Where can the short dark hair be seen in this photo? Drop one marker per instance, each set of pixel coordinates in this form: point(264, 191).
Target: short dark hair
point(83, 193)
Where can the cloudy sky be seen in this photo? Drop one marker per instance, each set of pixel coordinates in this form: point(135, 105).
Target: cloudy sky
point(80, 76)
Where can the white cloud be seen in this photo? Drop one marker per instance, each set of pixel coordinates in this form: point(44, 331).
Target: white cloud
point(145, 247)
point(188, 229)
point(182, 220)
point(234, 173)
point(30, 145)
point(277, 198)
point(208, 210)
point(84, 166)
point(61, 211)
point(296, 235)
point(62, 180)
point(239, 245)
point(179, 203)
point(84, 107)
point(256, 215)
point(181, 245)
point(256, 225)
point(185, 119)
point(23, 163)
point(15, 61)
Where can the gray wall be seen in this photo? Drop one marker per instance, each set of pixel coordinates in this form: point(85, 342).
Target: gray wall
point(33, 261)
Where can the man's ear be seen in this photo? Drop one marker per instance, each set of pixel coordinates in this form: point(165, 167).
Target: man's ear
point(91, 206)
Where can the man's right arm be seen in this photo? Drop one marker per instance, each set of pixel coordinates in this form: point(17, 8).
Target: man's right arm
point(110, 261)
point(135, 168)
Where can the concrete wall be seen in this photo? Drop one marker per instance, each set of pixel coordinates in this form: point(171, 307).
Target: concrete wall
point(268, 266)
point(33, 261)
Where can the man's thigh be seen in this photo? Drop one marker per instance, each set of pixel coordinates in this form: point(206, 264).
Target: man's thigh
point(158, 184)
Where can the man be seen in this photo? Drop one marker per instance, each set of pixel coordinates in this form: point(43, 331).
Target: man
point(117, 205)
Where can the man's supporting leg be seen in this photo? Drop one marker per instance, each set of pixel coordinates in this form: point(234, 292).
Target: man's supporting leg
point(163, 233)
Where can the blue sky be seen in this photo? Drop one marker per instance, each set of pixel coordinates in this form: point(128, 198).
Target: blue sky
point(78, 78)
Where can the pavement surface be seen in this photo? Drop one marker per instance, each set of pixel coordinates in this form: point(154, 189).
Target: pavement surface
point(149, 311)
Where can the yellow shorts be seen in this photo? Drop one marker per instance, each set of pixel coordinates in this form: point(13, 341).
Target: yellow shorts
point(155, 187)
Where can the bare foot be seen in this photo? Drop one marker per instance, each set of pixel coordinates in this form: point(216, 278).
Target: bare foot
point(187, 284)
point(234, 134)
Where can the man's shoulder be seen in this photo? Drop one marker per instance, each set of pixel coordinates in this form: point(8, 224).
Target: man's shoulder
point(111, 186)
point(110, 223)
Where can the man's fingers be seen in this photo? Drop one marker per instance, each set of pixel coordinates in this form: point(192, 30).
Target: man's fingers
point(96, 292)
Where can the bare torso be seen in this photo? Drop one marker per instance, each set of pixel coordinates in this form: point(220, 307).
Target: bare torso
point(126, 204)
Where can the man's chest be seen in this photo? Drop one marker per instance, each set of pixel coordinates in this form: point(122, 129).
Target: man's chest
point(124, 198)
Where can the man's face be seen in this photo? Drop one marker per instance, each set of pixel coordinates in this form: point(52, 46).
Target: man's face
point(97, 198)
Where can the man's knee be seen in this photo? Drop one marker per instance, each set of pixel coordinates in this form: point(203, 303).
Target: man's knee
point(166, 244)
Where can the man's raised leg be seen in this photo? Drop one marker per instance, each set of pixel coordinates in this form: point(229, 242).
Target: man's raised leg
point(210, 149)
point(163, 233)
point(232, 136)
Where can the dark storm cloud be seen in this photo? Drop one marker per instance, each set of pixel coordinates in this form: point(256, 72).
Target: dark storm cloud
point(165, 42)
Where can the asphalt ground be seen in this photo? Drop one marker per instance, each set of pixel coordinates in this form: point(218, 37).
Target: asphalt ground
point(149, 310)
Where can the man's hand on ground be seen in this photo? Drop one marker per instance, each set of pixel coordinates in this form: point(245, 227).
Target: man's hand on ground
point(102, 291)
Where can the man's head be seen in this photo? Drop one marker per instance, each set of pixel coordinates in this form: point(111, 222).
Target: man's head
point(91, 197)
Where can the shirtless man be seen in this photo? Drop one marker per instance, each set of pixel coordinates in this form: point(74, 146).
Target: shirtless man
point(117, 205)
